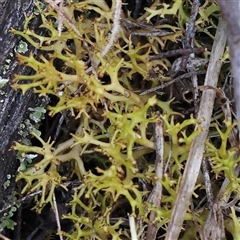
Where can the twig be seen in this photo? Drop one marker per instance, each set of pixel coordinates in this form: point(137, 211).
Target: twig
point(62, 16)
point(141, 28)
point(132, 227)
point(156, 194)
point(31, 195)
point(197, 148)
point(159, 33)
point(114, 35)
point(186, 75)
point(172, 53)
point(188, 43)
point(59, 125)
point(116, 27)
point(190, 30)
point(55, 209)
point(207, 181)
point(3, 237)
point(169, 157)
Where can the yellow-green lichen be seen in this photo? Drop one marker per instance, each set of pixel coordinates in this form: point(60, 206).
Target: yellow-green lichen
point(88, 84)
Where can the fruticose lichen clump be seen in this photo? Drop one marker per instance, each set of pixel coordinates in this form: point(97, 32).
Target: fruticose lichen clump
point(115, 123)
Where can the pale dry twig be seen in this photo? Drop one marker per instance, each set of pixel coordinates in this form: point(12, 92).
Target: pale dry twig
point(156, 194)
point(197, 148)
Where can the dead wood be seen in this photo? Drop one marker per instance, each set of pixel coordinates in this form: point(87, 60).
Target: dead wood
point(13, 105)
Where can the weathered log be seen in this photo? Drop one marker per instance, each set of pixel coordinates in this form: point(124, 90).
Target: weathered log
point(13, 105)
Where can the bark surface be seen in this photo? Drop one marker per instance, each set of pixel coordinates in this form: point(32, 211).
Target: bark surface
point(13, 105)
